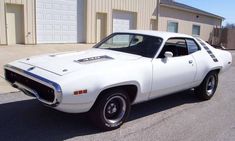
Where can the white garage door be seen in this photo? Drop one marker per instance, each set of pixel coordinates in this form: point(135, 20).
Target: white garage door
point(60, 21)
point(123, 21)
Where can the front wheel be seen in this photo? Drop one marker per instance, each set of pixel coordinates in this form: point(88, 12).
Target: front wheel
point(111, 110)
point(208, 87)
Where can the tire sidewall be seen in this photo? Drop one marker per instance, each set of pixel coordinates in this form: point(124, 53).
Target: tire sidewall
point(104, 100)
point(205, 83)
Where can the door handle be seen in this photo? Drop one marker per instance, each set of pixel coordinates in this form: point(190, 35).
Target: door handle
point(190, 61)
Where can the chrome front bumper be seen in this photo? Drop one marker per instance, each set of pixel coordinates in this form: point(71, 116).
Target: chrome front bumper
point(29, 91)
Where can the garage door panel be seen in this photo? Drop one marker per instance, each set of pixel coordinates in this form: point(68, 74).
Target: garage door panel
point(60, 21)
point(123, 21)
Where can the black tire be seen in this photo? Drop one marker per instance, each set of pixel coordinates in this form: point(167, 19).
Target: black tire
point(208, 87)
point(111, 110)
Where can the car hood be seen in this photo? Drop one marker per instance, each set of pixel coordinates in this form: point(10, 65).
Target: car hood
point(68, 62)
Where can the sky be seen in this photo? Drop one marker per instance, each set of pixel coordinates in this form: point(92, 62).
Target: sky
point(224, 8)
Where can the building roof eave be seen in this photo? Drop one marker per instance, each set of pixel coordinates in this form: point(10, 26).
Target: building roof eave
point(176, 5)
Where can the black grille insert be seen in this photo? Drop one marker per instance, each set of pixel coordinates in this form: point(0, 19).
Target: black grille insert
point(46, 93)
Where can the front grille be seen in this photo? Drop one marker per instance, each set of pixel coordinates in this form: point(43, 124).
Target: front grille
point(44, 92)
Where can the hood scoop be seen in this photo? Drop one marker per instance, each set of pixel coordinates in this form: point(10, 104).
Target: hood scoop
point(93, 59)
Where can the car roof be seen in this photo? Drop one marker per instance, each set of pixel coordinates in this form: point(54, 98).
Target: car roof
point(162, 34)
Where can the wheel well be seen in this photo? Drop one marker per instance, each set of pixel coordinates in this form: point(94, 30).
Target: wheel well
point(130, 89)
point(215, 70)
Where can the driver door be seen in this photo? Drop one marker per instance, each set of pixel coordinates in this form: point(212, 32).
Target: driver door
point(174, 73)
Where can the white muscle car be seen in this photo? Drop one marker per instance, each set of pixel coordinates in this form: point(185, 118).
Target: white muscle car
point(124, 69)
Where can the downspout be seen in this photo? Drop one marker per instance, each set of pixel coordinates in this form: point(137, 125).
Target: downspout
point(158, 13)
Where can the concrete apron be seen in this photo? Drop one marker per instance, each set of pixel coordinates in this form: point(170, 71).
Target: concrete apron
point(5, 87)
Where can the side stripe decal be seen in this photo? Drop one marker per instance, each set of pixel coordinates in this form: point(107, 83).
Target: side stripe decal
point(208, 51)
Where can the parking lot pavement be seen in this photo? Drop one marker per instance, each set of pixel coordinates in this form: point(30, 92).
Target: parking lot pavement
point(178, 117)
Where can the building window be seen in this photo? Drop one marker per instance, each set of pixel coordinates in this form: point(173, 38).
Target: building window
point(172, 27)
point(196, 30)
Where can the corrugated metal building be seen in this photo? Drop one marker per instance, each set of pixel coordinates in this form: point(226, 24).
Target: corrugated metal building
point(78, 21)
point(107, 16)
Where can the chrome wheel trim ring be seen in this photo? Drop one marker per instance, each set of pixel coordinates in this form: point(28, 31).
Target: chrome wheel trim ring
point(211, 85)
point(121, 110)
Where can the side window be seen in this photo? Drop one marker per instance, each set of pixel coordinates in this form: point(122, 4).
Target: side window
point(177, 46)
point(192, 46)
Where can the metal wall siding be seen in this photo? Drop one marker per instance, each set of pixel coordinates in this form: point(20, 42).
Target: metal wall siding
point(29, 20)
point(143, 9)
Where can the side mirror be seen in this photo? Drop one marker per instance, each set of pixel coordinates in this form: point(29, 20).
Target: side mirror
point(168, 54)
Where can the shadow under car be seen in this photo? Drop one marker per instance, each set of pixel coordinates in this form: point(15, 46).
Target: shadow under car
point(29, 120)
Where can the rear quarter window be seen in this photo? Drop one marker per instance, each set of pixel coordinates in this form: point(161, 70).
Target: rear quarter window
point(192, 46)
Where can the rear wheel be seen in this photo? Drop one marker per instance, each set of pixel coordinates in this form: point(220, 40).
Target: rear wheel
point(111, 110)
point(208, 87)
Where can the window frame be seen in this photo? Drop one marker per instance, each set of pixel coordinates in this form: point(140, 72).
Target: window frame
point(168, 23)
point(184, 38)
point(173, 38)
point(195, 25)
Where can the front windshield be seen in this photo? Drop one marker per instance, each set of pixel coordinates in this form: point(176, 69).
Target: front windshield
point(146, 46)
